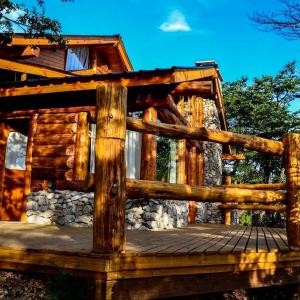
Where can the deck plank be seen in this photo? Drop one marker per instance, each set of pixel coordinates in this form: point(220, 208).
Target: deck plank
point(271, 244)
point(282, 246)
point(242, 243)
point(252, 242)
point(229, 246)
point(261, 241)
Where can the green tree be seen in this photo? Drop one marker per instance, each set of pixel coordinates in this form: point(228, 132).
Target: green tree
point(261, 108)
point(31, 21)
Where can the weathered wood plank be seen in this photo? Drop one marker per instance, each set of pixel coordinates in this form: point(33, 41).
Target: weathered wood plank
point(57, 118)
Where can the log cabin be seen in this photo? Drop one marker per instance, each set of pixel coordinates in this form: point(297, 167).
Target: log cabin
point(65, 135)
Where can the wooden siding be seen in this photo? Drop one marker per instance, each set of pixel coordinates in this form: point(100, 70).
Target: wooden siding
point(50, 58)
point(56, 145)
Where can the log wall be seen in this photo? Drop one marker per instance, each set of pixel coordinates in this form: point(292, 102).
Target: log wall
point(60, 147)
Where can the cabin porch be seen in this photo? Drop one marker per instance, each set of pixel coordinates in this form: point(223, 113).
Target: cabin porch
point(202, 258)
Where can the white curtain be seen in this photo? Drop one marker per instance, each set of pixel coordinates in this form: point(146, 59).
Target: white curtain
point(16, 151)
point(133, 152)
point(78, 58)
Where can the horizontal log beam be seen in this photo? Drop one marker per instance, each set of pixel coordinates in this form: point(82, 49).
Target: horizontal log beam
point(240, 156)
point(168, 117)
point(16, 66)
point(272, 208)
point(250, 142)
point(257, 186)
point(197, 88)
point(170, 191)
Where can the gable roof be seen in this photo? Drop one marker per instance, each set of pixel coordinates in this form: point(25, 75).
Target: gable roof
point(111, 46)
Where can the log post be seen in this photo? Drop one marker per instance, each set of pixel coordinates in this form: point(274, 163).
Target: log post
point(181, 148)
point(200, 177)
point(110, 172)
point(292, 168)
point(192, 161)
point(149, 148)
point(227, 212)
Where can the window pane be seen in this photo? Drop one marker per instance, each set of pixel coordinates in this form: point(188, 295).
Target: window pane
point(16, 151)
point(77, 58)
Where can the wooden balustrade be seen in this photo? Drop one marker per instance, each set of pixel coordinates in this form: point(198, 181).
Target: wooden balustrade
point(112, 186)
point(271, 208)
point(169, 191)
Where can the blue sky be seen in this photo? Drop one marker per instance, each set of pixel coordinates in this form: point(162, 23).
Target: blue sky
point(164, 33)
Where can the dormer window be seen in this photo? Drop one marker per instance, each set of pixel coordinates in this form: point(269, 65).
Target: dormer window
point(78, 58)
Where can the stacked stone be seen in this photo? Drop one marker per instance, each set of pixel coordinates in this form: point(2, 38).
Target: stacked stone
point(70, 208)
point(155, 214)
point(65, 208)
point(209, 212)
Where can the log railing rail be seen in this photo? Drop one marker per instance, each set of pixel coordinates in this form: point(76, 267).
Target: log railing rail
point(112, 188)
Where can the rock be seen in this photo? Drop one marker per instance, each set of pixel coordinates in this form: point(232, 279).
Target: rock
point(69, 218)
point(87, 209)
point(76, 197)
point(31, 205)
point(47, 214)
point(83, 219)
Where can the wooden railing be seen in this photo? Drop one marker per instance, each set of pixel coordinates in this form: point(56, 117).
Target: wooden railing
point(112, 187)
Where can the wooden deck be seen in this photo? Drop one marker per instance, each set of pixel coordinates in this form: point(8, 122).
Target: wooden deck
point(198, 239)
point(159, 262)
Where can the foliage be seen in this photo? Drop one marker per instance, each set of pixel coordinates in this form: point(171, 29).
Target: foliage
point(261, 108)
point(245, 218)
point(31, 21)
point(163, 158)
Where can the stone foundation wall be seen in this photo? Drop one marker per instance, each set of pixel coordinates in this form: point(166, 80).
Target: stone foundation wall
point(70, 208)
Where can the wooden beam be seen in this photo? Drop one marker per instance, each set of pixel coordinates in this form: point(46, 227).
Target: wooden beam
point(250, 142)
point(149, 149)
point(81, 163)
point(29, 112)
point(227, 212)
point(181, 148)
point(21, 52)
point(257, 186)
point(239, 156)
point(28, 163)
point(170, 191)
point(197, 88)
point(272, 208)
point(146, 78)
point(192, 160)
point(292, 171)
point(166, 116)
point(16, 66)
point(200, 177)
point(109, 202)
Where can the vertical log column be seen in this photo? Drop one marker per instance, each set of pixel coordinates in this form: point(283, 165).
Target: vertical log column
point(110, 176)
point(227, 212)
point(192, 161)
point(28, 163)
point(181, 149)
point(200, 179)
point(292, 168)
point(149, 149)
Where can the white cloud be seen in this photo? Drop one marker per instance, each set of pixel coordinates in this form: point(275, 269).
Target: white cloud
point(175, 22)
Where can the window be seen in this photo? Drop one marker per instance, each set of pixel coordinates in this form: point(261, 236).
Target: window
point(16, 151)
point(78, 58)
